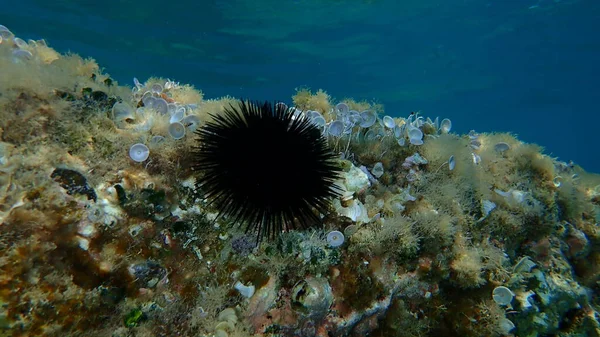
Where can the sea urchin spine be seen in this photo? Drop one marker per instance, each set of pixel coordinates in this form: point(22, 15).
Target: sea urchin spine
point(265, 167)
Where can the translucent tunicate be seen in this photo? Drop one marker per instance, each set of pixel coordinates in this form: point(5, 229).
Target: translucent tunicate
point(342, 108)
point(377, 170)
point(5, 34)
point(419, 122)
point(156, 88)
point(148, 100)
point(398, 131)
point(473, 135)
point(146, 125)
point(20, 43)
point(501, 147)
point(319, 121)
point(476, 158)
point(350, 230)
point(161, 106)
point(486, 207)
point(139, 152)
point(19, 55)
point(191, 122)
point(281, 106)
point(156, 140)
point(506, 326)
point(354, 117)
point(445, 125)
point(415, 135)
point(401, 141)
point(368, 118)
point(176, 130)
point(370, 136)
point(388, 122)
point(336, 128)
point(122, 112)
point(335, 238)
point(502, 295)
point(525, 265)
point(177, 116)
point(311, 114)
point(246, 291)
point(172, 108)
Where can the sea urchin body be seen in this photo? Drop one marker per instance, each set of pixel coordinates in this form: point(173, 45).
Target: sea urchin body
point(265, 167)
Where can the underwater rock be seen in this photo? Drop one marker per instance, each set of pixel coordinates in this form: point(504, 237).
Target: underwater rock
point(74, 182)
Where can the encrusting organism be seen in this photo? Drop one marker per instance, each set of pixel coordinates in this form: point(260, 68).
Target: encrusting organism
point(265, 166)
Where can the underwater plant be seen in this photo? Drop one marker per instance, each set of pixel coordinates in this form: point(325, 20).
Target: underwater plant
point(265, 166)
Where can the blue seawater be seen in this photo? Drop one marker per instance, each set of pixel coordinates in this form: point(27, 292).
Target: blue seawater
point(530, 67)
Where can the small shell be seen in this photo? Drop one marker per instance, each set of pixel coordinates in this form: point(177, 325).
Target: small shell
point(451, 163)
point(557, 181)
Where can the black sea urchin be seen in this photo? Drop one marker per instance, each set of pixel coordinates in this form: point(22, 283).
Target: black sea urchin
point(266, 168)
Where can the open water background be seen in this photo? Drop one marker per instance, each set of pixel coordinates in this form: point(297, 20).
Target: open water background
point(530, 67)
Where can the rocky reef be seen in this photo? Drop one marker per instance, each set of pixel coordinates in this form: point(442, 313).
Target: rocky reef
point(104, 232)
